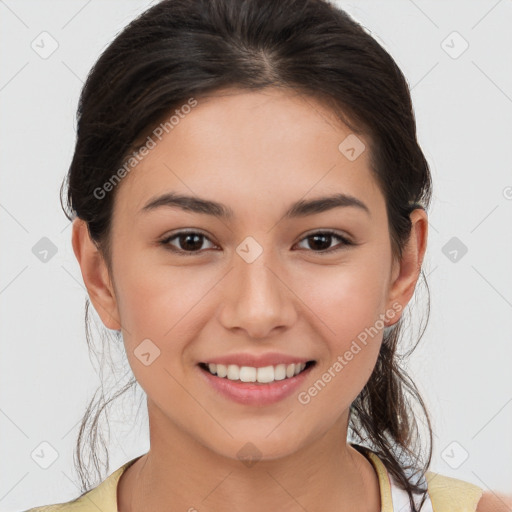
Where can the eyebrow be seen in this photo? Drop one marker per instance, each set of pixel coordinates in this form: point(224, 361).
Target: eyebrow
point(301, 208)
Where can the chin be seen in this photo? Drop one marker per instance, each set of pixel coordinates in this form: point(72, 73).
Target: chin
point(250, 448)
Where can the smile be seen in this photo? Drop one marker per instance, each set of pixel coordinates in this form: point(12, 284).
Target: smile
point(262, 375)
point(252, 392)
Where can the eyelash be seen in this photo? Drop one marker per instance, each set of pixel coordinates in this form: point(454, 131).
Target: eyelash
point(344, 240)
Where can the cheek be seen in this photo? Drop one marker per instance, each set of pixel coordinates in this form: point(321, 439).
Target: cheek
point(346, 305)
point(347, 298)
point(156, 307)
point(159, 302)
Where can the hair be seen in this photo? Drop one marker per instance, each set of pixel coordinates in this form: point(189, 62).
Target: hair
point(179, 49)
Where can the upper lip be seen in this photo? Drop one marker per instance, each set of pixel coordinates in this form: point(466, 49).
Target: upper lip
point(257, 361)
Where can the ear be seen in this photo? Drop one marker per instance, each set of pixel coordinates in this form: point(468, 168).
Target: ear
point(406, 272)
point(95, 275)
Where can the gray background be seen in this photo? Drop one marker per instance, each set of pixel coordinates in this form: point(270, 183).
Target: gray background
point(463, 104)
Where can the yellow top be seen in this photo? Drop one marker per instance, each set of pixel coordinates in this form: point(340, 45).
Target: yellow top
point(445, 494)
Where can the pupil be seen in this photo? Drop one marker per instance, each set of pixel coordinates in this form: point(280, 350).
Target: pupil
point(189, 236)
point(317, 237)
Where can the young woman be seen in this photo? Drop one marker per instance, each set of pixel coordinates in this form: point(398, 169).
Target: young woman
point(249, 203)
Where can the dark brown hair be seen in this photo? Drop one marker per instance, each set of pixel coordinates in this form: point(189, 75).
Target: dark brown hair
point(180, 49)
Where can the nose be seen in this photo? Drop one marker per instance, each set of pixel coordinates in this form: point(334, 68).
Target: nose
point(258, 298)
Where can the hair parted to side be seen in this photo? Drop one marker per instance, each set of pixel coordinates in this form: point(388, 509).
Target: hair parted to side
point(179, 49)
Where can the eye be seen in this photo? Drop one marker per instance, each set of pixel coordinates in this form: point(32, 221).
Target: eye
point(322, 241)
point(189, 242)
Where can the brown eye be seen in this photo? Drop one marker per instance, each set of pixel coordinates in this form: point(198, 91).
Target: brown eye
point(187, 242)
point(191, 242)
point(321, 241)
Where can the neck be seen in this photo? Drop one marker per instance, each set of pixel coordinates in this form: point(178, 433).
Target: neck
point(326, 475)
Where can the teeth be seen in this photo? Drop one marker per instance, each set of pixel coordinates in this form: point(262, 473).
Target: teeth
point(251, 374)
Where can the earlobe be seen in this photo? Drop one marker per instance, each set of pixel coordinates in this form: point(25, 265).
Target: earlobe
point(407, 271)
point(95, 275)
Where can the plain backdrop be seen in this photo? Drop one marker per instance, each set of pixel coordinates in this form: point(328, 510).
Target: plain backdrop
point(456, 56)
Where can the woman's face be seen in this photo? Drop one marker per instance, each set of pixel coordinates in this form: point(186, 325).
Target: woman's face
point(257, 281)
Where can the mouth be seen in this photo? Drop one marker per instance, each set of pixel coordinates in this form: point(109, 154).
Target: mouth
point(257, 376)
point(242, 384)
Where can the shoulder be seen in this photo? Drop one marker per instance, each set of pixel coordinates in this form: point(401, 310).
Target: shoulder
point(58, 507)
point(77, 505)
point(454, 495)
point(46, 508)
point(451, 494)
point(494, 502)
point(93, 500)
point(101, 498)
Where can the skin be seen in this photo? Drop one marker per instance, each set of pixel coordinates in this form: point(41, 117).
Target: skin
point(494, 502)
point(256, 152)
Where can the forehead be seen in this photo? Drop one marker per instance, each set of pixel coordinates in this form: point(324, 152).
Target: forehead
point(265, 145)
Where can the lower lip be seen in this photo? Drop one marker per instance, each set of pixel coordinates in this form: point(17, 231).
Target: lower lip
point(250, 393)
